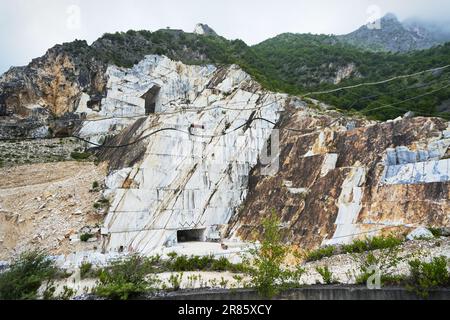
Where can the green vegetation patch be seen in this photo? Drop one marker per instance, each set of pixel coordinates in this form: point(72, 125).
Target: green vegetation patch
point(428, 275)
point(80, 156)
point(320, 253)
point(25, 276)
point(373, 243)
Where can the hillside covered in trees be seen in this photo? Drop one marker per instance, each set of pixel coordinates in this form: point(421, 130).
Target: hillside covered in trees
point(291, 63)
point(301, 63)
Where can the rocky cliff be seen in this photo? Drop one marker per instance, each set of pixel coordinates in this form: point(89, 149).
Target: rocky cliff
point(389, 34)
point(52, 82)
point(342, 179)
point(196, 162)
point(203, 152)
point(193, 172)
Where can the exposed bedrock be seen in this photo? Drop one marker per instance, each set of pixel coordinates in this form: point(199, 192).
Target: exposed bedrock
point(193, 172)
point(353, 183)
point(187, 149)
point(336, 178)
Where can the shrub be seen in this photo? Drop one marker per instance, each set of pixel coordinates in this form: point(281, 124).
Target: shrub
point(385, 263)
point(425, 276)
point(85, 269)
point(374, 243)
point(66, 294)
point(80, 156)
point(437, 232)
point(95, 185)
point(196, 263)
point(320, 253)
point(126, 279)
point(102, 203)
point(85, 237)
point(175, 281)
point(266, 272)
point(26, 274)
point(326, 274)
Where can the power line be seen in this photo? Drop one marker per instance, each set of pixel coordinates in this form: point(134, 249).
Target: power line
point(255, 108)
point(374, 83)
point(392, 92)
point(409, 99)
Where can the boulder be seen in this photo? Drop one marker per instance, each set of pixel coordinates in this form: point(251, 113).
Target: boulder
point(420, 233)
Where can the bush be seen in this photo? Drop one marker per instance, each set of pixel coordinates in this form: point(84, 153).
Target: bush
point(26, 274)
point(85, 269)
point(196, 263)
point(370, 244)
point(102, 203)
point(126, 279)
point(85, 237)
point(437, 232)
point(385, 263)
point(327, 275)
point(266, 272)
point(320, 253)
point(425, 276)
point(80, 156)
point(175, 281)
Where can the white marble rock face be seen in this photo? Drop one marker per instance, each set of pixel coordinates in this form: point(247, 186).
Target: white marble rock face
point(422, 166)
point(184, 182)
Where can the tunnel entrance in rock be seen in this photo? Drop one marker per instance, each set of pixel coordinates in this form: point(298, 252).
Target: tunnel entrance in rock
point(150, 99)
point(190, 235)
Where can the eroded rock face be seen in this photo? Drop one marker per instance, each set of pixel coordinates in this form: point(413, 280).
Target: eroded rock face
point(53, 82)
point(350, 196)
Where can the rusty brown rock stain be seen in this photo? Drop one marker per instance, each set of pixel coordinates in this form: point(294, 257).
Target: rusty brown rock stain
point(310, 218)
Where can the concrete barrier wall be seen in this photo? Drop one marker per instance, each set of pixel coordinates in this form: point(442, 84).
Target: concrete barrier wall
point(312, 293)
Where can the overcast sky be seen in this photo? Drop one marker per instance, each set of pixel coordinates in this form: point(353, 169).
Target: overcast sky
point(29, 27)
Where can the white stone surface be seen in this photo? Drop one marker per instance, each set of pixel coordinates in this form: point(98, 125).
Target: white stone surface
point(185, 181)
point(124, 102)
point(349, 204)
point(116, 178)
point(419, 172)
point(420, 233)
point(403, 166)
point(329, 163)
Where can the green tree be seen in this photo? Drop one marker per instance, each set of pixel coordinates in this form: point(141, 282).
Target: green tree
point(266, 271)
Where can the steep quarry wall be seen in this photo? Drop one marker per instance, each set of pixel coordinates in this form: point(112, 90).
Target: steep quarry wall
point(187, 179)
point(340, 179)
point(193, 155)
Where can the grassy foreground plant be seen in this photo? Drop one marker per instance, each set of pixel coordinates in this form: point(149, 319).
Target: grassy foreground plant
point(373, 243)
point(320, 253)
point(267, 274)
point(126, 279)
point(326, 274)
point(427, 275)
point(26, 274)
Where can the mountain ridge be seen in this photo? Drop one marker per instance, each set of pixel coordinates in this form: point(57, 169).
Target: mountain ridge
point(389, 34)
point(292, 63)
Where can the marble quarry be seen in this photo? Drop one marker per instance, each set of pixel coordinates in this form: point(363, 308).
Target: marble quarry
point(190, 178)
